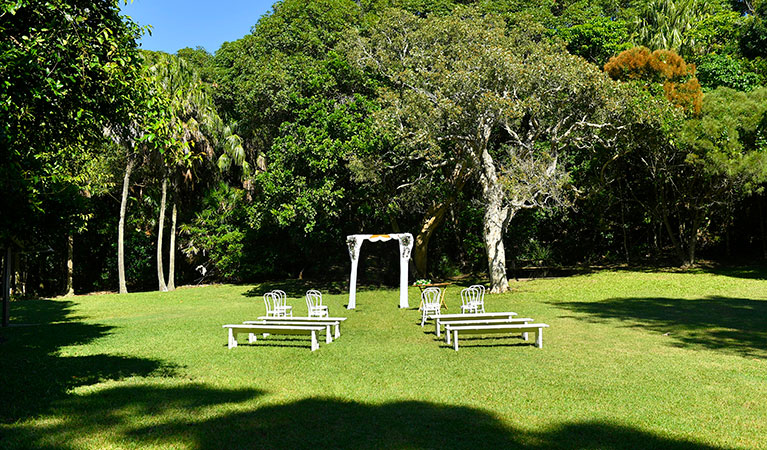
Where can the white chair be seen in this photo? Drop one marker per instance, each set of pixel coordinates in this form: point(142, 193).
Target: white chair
point(269, 303)
point(281, 307)
point(480, 300)
point(314, 304)
point(470, 300)
point(429, 302)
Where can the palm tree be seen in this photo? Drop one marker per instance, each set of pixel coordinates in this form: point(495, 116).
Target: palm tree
point(664, 24)
point(195, 129)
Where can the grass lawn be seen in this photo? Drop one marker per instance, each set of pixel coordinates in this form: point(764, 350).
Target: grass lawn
point(632, 360)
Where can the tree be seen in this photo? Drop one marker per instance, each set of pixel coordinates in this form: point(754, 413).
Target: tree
point(463, 95)
point(68, 69)
point(661, 69)
point(193, 130)
point(666, 24)
point(596, 40)
point(753, 41)
point(723, 70)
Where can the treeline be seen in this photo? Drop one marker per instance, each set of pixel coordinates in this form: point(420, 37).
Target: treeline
point(498, 133)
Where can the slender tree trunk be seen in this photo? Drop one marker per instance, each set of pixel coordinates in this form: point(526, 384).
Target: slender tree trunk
point(759, 202)
point(675, 241)
point(8, 257)
point(70, 290)
point(19, 286)
point(172, 250)
point(121, 228)
point(496, 218)
point(693, 238)
point(160, 226)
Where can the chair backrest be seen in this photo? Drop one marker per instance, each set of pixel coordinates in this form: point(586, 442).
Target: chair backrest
point(481, 292)
point(469, 296)
point(280, 297)
point(313, 298)
point(430, 296)
point(269, 302)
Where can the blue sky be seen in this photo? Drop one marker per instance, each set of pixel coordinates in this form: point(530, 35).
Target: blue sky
point(190, 23)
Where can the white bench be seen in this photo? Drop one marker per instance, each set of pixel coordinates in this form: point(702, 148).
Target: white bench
point(311, 330)
point(323, 323)
point(440, 319)
point(503, 328)
point(522, 320)
point(308, 319)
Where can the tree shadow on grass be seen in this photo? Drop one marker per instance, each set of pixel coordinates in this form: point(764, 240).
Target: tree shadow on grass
point(728, 324)
point(196, 416)
point(35, 374)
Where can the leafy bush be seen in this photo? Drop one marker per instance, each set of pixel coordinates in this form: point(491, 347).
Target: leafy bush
point(723, 70)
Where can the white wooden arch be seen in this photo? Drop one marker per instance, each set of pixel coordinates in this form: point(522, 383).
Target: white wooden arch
point(354, 242)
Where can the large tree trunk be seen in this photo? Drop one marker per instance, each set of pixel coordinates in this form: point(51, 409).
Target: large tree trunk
point(496, 218)
point(121, 228)
point(160, 226)
point(70, 290)
point(434, 218)
point(172, 250)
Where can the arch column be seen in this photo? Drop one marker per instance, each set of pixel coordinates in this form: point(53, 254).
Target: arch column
point(354, 242)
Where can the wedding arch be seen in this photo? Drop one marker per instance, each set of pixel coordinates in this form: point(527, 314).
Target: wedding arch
point(354, 242)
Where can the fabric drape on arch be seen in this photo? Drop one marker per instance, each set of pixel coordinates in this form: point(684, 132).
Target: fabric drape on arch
point(354, 242)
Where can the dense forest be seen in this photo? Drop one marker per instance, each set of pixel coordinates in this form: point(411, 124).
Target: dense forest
point(501, 133)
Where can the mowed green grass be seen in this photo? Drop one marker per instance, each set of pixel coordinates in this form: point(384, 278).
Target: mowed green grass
point(632, 360)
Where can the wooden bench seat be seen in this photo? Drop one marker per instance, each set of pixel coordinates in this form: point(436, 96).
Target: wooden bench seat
point(515, 320)
point(325, 323)
point(455, 330)
point(253, 329)
point(440, 319)
point(310, 319)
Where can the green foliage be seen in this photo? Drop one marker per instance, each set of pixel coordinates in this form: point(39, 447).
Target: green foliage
point(214, 239)
point(715, 70)
point(753, 41)
point(727, 142)
point(67, 70)
point(306, 179)
point(596, 40)
point(666, 24)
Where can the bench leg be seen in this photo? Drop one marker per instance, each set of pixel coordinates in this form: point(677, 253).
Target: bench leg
point(328, 336)
point(524, 336)
point(251, 338)
point(338, 331)
point(232, 339)
point(315, 345)
point(436, 327)
point(447, 336)
point(455, 339)
point(539, 338)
